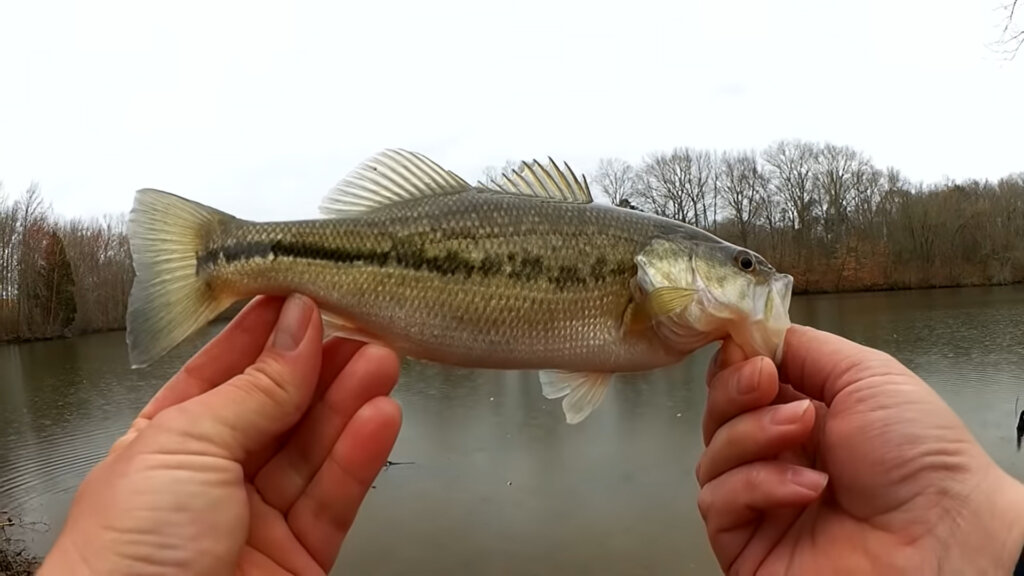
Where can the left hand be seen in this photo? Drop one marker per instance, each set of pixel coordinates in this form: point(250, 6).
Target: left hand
point(254, 458)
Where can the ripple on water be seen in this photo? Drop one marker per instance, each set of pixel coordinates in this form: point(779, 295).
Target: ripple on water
point(37, 466)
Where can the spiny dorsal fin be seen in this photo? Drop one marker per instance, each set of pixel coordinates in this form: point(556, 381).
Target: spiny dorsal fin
point(550, 182)
point(391, 175)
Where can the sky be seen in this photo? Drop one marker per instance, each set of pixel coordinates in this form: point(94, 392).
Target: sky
point(259, 107)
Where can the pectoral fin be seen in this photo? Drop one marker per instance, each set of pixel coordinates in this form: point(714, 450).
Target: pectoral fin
point(583, 391)
point(668, 300)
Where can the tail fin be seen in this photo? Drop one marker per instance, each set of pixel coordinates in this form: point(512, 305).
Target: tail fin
point(168, 301)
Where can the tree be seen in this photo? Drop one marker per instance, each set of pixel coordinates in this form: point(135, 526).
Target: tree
point(744, 188)
point(493, 173)
point(678, 185)
point(791, 170)
point(1012, 36)
point(616, 179)
point(54, 296)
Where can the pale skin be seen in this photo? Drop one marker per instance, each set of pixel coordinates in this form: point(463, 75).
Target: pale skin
point(255, 458)
point(851, 465)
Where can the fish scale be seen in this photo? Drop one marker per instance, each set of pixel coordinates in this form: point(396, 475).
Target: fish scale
point(454, 309)
point(520, 274)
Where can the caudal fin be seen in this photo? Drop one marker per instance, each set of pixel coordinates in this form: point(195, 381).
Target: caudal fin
point(168, 301)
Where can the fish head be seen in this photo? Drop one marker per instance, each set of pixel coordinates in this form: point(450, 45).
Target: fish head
point(698, 291)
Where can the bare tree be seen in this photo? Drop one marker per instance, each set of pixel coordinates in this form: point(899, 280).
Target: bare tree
point(659, 190)
point(617, 180)
point(493, 173)
point(1012, 37)
point(744, 187)
point(698, 168)
point(678, 185)
point(792, 165)
point(819, 211)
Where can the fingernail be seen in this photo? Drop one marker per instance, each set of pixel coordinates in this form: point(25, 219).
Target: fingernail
point(743, 384)
point(806, 478)
point(789, 413)
point(292, 324)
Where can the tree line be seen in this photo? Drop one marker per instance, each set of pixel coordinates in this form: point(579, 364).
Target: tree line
point(819, 211)
point(60, 276)
point(829, 216)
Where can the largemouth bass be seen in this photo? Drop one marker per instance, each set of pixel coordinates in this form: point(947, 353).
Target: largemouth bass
point(525, 272)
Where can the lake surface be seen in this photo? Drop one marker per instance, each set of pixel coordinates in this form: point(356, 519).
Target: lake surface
point(499, 483)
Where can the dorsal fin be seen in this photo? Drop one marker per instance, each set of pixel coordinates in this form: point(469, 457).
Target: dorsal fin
point(550, 182)
point(391, 175)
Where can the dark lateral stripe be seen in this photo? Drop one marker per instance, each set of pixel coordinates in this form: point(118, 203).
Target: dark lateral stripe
point(518, 266)
point(230, 253)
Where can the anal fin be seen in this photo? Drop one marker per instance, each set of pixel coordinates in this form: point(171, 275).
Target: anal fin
point(583, 391)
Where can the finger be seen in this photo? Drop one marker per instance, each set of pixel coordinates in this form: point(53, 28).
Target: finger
point(728, 354)
point(758, 435)
point(337, 352)
point(250, 410)
point(373, 372)
point(252, 561)
point(323, 515)
point(736, 389)
point(227, 355)
point(736, 499)
point(820, 364)
point(764, 535)
point(269, 533)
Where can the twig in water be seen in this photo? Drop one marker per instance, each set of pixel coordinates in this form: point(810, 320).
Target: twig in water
point(389, 463)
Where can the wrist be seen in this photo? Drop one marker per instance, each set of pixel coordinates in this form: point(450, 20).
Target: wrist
point(63, 559)
point(991, 537)
point(1007, 524)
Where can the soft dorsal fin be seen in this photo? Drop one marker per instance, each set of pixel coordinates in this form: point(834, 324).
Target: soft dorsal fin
point(550, 182)
point(391, 175)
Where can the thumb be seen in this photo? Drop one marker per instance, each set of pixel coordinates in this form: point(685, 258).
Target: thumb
point(250, 410)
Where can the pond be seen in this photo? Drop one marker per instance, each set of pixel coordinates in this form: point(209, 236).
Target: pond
point(498, 483)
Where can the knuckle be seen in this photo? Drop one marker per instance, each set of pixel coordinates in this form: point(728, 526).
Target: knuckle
point(753, 479)
point(269, 379)
point(705, 504)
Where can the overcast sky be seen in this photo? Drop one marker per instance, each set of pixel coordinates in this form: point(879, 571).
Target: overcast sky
point(259, 107)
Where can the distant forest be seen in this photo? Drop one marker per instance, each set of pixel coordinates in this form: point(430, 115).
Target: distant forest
point(827, 215)
point(60, 276)
point(822, 212)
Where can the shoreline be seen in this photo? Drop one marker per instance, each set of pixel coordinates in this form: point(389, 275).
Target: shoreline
point(236, 308)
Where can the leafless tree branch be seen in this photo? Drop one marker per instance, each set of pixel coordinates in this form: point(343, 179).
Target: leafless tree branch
point(1012, 39)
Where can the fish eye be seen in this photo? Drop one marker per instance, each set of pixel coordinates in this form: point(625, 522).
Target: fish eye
point(745, 261)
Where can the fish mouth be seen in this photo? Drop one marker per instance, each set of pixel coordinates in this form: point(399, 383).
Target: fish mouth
point(766, 332)
point(776, 321)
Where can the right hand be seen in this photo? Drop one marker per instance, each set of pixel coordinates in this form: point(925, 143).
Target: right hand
point(880, 477)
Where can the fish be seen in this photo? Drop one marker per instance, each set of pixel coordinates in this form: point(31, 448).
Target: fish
point(522, 272)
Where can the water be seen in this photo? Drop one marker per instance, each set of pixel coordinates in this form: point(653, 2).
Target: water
point(499, 483)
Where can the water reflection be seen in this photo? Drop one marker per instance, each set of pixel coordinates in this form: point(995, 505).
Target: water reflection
point(498, 482)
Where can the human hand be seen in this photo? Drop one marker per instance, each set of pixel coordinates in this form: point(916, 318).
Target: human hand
point(852, 465)
point(253, 459)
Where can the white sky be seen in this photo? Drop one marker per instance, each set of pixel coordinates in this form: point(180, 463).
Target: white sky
point(258, 107)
